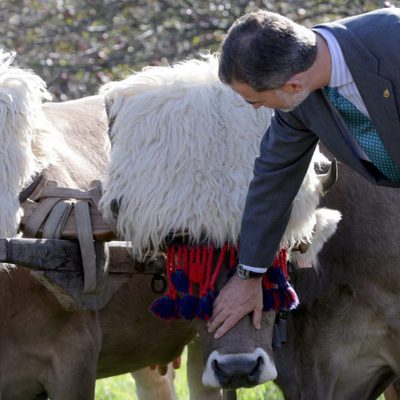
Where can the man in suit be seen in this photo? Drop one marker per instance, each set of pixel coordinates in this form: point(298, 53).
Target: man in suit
point(272, 61)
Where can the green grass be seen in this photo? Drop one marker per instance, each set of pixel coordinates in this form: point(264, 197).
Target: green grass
point(120, 387)
point(123, 388)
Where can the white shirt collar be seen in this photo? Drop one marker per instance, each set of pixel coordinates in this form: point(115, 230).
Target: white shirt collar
point(340, 72)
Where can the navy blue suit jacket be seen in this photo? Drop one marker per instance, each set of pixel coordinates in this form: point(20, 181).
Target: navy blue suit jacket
point(371, 47)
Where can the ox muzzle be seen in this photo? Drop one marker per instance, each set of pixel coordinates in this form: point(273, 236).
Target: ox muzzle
point(232, 371)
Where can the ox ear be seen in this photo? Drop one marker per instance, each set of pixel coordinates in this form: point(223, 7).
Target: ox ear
point(328, 179)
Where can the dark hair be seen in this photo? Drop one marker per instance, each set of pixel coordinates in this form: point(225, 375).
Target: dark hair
point(265, 49)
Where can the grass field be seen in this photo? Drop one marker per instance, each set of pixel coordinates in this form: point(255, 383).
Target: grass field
point(123, 388)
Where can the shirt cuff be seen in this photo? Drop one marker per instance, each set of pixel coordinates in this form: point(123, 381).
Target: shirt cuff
point(257, 270)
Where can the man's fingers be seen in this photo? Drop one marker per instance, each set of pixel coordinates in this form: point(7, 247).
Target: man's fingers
point(247, 298)
point(216, 320)
point(228, 324)
point(257, 316)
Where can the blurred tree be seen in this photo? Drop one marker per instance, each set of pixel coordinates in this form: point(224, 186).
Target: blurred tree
point(77, 45)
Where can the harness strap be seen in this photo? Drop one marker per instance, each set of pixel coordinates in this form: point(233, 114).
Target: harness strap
point(57, 219)
point(27, 191)
point(54, 191)
point(95, 193)
point(54, 207)
point(85, 237)
point(36, 220)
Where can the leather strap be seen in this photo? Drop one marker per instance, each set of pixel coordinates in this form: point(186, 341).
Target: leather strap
point(57, 219)
point(85, 237)
point(27, 191)
point(95, 193)
point(36, 220)
point(53, 211)
point(65, 193)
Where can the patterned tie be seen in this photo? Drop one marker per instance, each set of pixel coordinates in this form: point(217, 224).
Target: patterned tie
point(365, 134)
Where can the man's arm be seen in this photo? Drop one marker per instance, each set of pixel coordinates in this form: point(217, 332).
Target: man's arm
point(286, 151)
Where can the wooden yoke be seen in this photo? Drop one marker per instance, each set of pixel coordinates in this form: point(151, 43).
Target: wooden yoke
point(76, 271)
point(57, 264)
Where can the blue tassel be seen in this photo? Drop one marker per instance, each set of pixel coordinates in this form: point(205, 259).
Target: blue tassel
point(165, 307)
point(180, 280)
point(205, 307)
point(188, 306)
point(289, 298)
point(268, 300)
point(231, 273)
point(276, 275)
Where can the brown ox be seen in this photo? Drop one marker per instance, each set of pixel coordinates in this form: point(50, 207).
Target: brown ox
point(344, 338)
point(46, 350)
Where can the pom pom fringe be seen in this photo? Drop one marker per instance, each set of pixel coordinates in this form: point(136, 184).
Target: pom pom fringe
point(192, 272)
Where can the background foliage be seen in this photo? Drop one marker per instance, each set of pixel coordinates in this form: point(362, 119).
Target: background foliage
point(76, 45)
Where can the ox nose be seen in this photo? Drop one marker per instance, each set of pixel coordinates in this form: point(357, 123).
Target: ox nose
point(232, 374)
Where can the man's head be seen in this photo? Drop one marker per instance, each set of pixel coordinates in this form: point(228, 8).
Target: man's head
point(264, 50)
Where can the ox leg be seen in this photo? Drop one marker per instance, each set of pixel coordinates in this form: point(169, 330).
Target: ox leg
point(229, 395)
point(195, 372)
point(150, 384)
point(72, 374)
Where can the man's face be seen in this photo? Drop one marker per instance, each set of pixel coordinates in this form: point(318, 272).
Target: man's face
point(282, 98)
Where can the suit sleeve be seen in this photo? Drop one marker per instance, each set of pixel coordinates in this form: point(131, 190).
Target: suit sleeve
point(286, 151)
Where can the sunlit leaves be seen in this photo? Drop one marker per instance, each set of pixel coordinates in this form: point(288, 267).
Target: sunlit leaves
point(76, 45)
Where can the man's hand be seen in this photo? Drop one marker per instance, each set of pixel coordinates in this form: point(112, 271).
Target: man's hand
point(237, 298)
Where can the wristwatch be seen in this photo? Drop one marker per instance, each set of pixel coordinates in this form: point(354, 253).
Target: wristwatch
point(245, 274)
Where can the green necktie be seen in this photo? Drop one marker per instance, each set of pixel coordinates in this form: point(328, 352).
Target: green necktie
point(365, 134)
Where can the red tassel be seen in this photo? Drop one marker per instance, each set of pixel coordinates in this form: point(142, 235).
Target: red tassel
point(279, 295)
point(191, 268)
point(218, 266)
point(204, 286)
point(195, 266)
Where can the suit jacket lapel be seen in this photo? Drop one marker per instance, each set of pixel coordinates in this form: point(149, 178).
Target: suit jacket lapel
point(378, 97)
point(325, 121)
point(376, 91)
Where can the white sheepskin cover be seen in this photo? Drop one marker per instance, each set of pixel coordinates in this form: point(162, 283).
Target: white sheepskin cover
point(21, 117)
point(183, 148)
point(326, 221)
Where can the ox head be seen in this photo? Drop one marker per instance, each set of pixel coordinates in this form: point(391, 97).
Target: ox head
point(195, 274)
point(242, 357)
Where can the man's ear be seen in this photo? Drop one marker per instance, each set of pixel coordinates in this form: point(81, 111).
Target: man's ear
point(294, 84)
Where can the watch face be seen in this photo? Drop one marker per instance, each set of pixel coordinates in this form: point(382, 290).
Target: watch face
point(242, 273)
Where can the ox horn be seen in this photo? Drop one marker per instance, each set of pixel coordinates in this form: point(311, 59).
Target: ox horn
point(328, 179)
point(114, 206)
